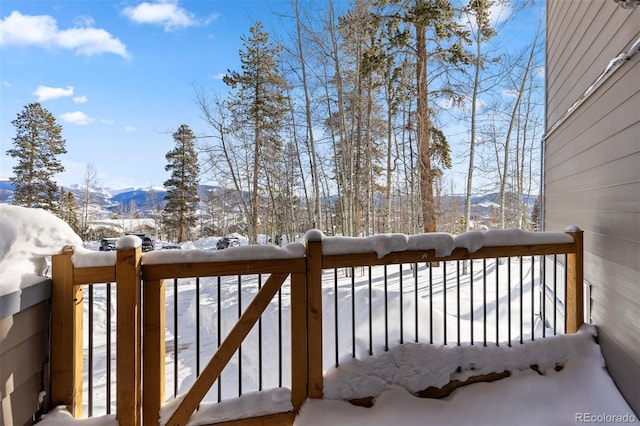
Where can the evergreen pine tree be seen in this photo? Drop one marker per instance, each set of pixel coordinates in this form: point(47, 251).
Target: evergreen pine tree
point(259, 107)
point(68, 209)
point(182, 187)
point(439, 39)
point(535, 215)
point(37, 144)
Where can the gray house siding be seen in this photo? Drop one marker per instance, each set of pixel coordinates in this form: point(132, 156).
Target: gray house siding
point(592, 166)
point(24, 357)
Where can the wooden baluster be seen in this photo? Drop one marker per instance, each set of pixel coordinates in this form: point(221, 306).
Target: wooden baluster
point(299, 370)
point(153, 351)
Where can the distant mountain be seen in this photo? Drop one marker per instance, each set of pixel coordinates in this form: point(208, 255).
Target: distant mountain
point(6, 191)
point(110, 201)
point(145, 199)
point(482, 205)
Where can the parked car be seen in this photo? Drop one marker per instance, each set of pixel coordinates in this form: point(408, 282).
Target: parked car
point(171, 246)
point(108, 244)
point(226, 242)
point(147, 243)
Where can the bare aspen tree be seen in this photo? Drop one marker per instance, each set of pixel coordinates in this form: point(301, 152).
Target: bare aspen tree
point(316, 206)
point(477, 13)
point(90, 182)
point(343, 163)
point(532, 127)
point(512, 122)
point(224, 160)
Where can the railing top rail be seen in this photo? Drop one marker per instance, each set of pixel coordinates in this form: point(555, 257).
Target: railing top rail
point(416, 256)
point(92, 267)
point(99, 267)
point(94, 275)
point(214, 269)
point(433, 247)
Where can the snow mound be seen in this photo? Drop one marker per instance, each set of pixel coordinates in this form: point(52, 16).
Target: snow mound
point(28, 236)
point(442, 243)
point(417, 366)
point(252, 404)
point(61, 416)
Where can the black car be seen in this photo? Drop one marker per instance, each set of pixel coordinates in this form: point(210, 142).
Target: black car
point(227, 242)
point(108, 244)
point(147, 243)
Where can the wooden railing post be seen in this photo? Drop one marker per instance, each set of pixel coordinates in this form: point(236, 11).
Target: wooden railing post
point(66, 333)
point(314, 317)
point(575, 279)
point(129, 345)
point(153, 351)
point(299, 370)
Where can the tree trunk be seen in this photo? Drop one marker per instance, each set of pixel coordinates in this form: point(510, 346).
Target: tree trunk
point(424, 132)
point(317, 207)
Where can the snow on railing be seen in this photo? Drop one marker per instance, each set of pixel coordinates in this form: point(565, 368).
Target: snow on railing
point(313, 305)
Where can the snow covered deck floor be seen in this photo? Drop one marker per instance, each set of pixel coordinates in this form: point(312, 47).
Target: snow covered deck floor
point(582, 392)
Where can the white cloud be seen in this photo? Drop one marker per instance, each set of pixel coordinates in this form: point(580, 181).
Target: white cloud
point(80, 99)
point(165, 13)
point(5, 83)
point(78, 117)
point(84, 21)
point(218, 76)
point(211, 18)
point(130, 129)
point(42, 31)
point(45, 93)
point(90, 41)
point(105, 121)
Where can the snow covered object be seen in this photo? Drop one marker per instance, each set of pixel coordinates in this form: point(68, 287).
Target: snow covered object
point(27, 237)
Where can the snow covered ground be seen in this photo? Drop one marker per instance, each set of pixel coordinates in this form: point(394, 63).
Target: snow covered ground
point(581, 391)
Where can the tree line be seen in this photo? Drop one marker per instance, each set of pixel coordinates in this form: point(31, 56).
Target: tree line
point(343, 124)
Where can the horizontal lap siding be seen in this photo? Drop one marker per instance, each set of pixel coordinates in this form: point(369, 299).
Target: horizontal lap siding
point(23, 355)
point(566, 60)
point(592, 168)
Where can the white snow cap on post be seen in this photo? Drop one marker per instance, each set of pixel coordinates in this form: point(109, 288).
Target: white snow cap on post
point(128, 242)
point(314, 235)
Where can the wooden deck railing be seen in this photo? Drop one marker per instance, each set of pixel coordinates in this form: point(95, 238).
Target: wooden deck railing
point(140, 380)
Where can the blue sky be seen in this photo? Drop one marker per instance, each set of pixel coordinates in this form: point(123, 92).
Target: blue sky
point(120, 76)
